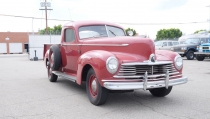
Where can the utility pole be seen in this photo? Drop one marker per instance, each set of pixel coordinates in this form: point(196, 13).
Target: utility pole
point(209, 22)
point(46, 4)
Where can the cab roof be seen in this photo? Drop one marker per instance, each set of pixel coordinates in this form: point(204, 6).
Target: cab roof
point(90, 22)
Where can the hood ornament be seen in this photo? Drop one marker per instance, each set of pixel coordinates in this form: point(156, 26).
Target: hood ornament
point(152, 58)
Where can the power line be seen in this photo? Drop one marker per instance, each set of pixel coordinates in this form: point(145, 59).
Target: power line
point(32, 17)
point(114, 22)
point(161, 23)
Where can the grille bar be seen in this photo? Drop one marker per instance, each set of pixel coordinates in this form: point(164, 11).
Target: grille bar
point(154, 71)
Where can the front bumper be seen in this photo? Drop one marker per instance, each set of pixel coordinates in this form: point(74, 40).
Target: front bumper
point(181, 53)
point(145, 84)
point(202, 53)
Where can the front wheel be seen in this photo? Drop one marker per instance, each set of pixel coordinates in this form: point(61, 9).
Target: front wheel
point(96, 93)
point(160, 92)
point(190, 55)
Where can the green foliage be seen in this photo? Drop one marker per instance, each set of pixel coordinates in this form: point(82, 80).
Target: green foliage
point(199, 31)
point(55, 30)
point(129, 29)
point(171, 33)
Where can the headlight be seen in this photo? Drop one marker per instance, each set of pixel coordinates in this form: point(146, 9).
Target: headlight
point(184, 48)
point(178, 62)
point(172, 49)
point(112, 64)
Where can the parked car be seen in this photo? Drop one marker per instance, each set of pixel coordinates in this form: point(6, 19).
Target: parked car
point(203, 51)
point(188, 47)
point(165, 44)
point(101, 55)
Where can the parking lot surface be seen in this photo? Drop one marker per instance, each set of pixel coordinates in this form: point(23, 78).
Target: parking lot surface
point(26, 93)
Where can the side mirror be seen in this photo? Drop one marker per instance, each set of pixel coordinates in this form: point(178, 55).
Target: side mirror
point(130, 33)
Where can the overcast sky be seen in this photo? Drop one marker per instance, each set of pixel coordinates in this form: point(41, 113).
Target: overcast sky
point(118, 11)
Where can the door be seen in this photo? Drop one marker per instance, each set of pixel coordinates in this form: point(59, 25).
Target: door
point(15, 48)
point(3, 48)
point(71, 51)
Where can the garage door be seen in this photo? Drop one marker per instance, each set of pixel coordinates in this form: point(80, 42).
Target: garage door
point(3, 48)
point(15, 48)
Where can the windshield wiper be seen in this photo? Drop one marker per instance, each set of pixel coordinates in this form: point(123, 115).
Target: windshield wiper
point(112, 33)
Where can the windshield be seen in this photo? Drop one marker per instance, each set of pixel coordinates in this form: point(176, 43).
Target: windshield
point(99, 31)
point(158, 43)
point(191, 41)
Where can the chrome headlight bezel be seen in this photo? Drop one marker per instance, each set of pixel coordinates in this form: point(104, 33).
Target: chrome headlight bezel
point(178, 61)
point(112, 64)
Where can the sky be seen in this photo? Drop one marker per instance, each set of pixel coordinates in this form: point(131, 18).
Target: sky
point(145, 16)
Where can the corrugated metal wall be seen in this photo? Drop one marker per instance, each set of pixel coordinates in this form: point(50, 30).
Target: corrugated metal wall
point(36, 42)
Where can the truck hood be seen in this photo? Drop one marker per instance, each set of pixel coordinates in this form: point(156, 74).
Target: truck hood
point(206, 44)
point(185, 45)
point(126, 48)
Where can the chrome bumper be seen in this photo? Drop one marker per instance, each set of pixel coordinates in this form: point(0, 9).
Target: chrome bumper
point(180, 53)
point(145, 84)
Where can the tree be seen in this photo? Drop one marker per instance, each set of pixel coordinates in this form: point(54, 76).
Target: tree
point(129, 29)
point(199, 31)
point(168, 33)
point(55, 30)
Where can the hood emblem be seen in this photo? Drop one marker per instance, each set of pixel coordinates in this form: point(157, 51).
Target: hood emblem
point(152, 58)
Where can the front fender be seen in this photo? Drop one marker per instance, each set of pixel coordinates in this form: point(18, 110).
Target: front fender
point(97, 60)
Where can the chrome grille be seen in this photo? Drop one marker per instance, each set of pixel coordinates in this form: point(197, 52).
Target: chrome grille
point(141, 69)
point(156, 71)
point(177, 49)
point(205, 48)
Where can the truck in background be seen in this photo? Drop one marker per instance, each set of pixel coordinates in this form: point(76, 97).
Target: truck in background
point(203, 51)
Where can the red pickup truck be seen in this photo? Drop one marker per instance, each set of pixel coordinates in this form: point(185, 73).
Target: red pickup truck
point(101, 54)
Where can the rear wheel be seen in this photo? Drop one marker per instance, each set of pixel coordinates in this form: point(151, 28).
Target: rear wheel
point(200, 58)
point(190, 55)
point(54, 62)
point(52, 77)
point(160, 92)
point(96, 93)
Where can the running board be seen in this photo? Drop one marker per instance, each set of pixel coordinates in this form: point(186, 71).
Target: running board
point(66, 76)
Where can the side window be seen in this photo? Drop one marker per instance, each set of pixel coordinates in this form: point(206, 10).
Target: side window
point(170, 44)
point(69, 35)
point(175, 43)
point(164, 43)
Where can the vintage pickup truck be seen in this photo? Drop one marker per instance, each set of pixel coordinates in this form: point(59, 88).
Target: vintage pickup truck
point(203, 51)
point(100, 54)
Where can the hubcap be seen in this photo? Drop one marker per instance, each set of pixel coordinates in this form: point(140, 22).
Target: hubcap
point(191, 55)
point(92, 85)
point(51, 60)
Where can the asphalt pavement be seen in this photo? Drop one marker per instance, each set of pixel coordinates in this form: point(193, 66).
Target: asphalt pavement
point(26, 93)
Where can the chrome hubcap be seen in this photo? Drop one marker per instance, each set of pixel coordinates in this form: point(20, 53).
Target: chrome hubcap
point(93, 85)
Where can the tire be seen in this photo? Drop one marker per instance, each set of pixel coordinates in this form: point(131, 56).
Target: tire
point(96, 93)
point(200, 58)
point(52, 77)
point(160, 92)
point(190, 55)
point(54, 62)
